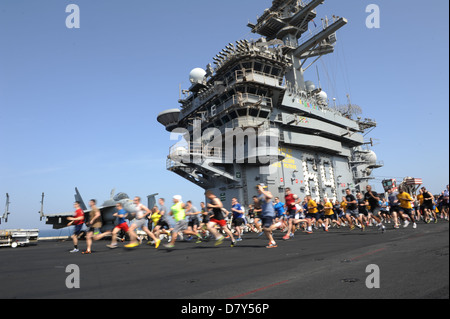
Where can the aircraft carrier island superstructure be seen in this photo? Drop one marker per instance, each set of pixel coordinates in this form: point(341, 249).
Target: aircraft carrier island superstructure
point(252, 118)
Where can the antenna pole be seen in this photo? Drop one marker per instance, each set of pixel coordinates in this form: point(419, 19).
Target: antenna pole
point(41, 212)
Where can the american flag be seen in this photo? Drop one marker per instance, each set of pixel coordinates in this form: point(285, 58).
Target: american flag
point(414, 181)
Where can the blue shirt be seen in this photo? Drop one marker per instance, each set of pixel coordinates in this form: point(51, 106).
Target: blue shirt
point(237, 214)
point(279, 209)
point(121, 219)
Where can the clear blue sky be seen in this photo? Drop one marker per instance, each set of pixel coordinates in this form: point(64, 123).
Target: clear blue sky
point(78, 107)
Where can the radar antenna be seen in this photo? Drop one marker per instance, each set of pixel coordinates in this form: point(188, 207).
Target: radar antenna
point(41, 212)
point(5, 215)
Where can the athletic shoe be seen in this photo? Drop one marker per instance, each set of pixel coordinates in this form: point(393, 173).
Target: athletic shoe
point(406, 224)
point(271, 245)
point(286, 237)
point(87, 252)
point(219, 241)
point(233, 243)
point(133, 245)
point(75, 250)
point(157, 243)
point(414, 225)
point(111, 246)
point(169, 246)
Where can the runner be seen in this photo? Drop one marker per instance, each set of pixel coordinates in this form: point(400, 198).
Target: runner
point(362, 210)
point(122, 225)
point(375, 207)
point(77, 220)
point(141, 221)
point(394, 208)
point(238, 217)
point(428, 205)
point(181, 225)
point(329, 215)
point(192, 214)
point(267, 214)
point(94, 223)
point(290, 201)
point(217, 219)
point(311, 216)
point(165, 223)
point(406, 206)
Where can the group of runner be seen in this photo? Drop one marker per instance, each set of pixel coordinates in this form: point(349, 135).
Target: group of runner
point(264, 216)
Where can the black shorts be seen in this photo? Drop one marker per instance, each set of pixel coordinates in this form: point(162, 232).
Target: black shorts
point(267, 221)
point(238, 222)
point(193, 223)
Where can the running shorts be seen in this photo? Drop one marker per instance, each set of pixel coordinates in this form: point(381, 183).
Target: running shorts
point(221, 223)
point(123, 226)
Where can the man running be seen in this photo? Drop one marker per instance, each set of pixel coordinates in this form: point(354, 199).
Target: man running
point(311, 216)
point(94, 223)
point(140, 221)
point(428, 205)
point(181, 225)
point(267, 214)
point(238, 217)
point(122, 224)
point(394, 208)
point(77, 220)
point(406, 206)
point(291, 209)
point(375, 207)
point(217, 219)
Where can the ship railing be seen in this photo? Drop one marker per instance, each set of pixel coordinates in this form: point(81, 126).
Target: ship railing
point(185, 153)
point(261, 77)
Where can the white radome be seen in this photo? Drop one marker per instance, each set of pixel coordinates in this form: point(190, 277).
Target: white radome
point(197, 75)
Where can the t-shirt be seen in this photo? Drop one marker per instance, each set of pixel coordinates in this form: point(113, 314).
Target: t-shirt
point(290, 201)
point(351, 198)
point(79, 213)
point(140, 211)
point(192, 218)
point(362, 209)
point(98, 222)
point(312, 207)
point(404, 199)
point(267, 207)
point(121, 216)
point(217, 213)
point(237, 214)
point(279, 209)
point(393, 199)
point(373, 203)
point(328, 209)
point(178, 212)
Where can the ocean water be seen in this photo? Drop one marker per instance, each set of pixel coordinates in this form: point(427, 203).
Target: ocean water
point(55, 232)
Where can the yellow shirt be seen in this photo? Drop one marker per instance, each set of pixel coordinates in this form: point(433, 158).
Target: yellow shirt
point(328, 209)
point(420, 198)
point(156, 217)
point(344, 206)
point(404, 199)
point(312, 207)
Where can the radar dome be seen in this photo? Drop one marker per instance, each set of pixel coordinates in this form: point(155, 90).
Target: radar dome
point(371, 157)
point(322, 96)
point(197, 75)
point(310, 86)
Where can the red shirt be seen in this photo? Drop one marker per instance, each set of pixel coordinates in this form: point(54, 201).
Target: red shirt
point(290, 200)
point(79, 213)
